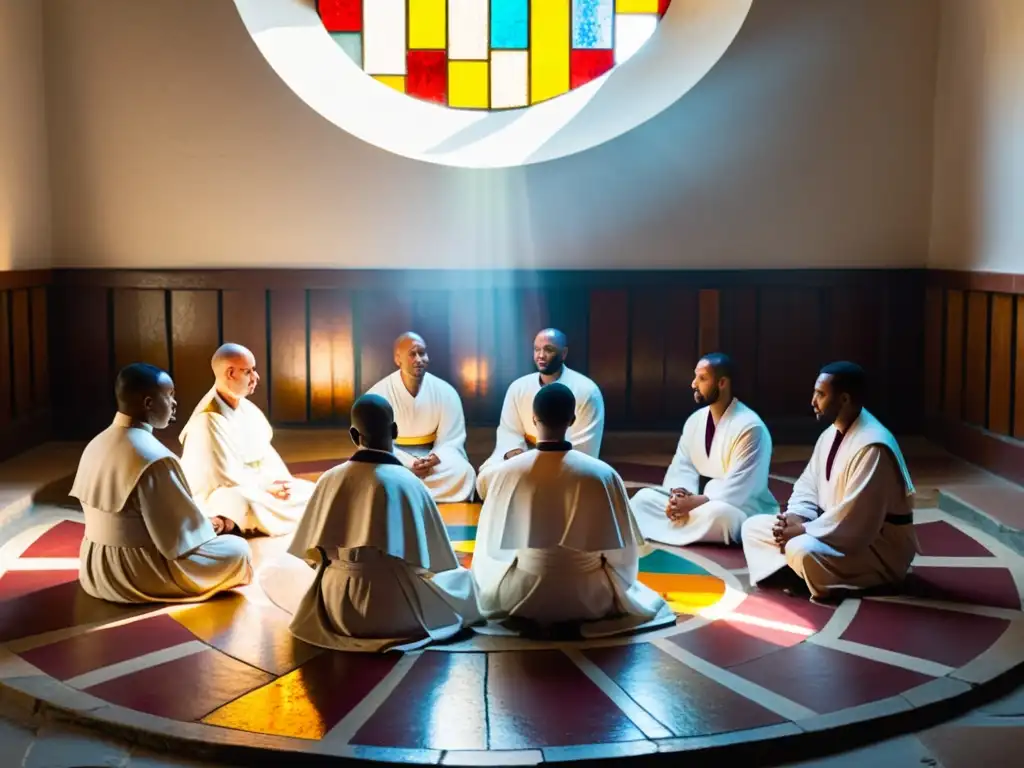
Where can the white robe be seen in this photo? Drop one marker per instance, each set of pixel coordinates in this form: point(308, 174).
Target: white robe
point(516, 428)
point(431, 422)
point(737, 480)
point(859, 531)
point(230, 464)
point(556, 543)
point(145, 539)
point(386, 577)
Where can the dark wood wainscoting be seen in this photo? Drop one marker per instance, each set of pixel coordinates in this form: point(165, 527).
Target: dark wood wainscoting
point(974, 367)
point(25, 418)
point(322, 337)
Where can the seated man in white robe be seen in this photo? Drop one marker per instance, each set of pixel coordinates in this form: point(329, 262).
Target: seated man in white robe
point(719, 474)
point(515, 427)
point(431, 424)
point(145, 539)
point(386, 577)
point(849, 524)
point(237, 477)
point(557, 549)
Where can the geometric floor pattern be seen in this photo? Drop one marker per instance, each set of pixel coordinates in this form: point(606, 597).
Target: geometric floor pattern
point(739, 664)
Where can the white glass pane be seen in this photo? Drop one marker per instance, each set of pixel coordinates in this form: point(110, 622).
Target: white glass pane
point(510, 75)
point(468, 29)
point(632, 30)
point(384, 37)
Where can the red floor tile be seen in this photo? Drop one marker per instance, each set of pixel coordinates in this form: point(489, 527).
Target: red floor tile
point(440, 704)
point(727, 557)
point(62, 540)
point(640, 473)
point(684, 701)
point(17, 584)
point(966, 746)
point(940, 539)
point(948, 637)
point(778, 606)
point(975, 586)
point(727, 644)
point(183, 689)
point(93, 650)
point(826, 680)
point(542, 699)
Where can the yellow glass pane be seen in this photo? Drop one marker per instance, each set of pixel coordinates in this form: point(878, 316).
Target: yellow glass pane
point(467, 84)
point(550, 36)
point(428, 24)
point(392, 81)
point(636, 6)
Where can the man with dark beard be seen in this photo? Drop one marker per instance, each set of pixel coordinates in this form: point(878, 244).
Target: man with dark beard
point(719, 474)
point(849, 523)
point(516, 432)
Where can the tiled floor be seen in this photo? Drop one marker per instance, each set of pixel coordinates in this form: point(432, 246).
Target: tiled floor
point(228, 671)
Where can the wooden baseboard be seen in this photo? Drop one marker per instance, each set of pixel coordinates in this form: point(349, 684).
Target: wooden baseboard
point(26, 432)
point(1002, 455)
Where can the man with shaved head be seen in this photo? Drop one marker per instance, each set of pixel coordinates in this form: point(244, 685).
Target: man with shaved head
point(145, 538)
point(557, 547)
point(236, 475)
point(515, 428)
point(431, 424)
point(385, 575)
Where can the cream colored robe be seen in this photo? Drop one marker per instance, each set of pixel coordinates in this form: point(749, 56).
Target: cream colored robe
point(556, 543)
point(859, 529)
point(516, 428)
point(386, 577)
point(230, 463)
point(145, 539)
point(431, 422)
point(737, 480)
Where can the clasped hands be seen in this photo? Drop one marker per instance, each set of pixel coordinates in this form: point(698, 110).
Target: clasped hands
point(423, 467)
point(787, 526)
point(280, 489)
point(680, 503)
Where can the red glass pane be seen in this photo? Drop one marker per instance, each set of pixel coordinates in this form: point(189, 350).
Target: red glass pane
point(427, 75)
point(586, 65)
point(342, 15)
point(663, 6)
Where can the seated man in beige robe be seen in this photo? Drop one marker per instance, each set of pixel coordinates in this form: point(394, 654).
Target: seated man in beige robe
point(557, 549)
point(237, 477)
point(431, 424)
point(849, 524)
point(145, 539)
point(384, 574)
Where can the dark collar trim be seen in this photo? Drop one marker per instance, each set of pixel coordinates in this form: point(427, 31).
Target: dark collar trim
point(561, 445)
point(369, 456)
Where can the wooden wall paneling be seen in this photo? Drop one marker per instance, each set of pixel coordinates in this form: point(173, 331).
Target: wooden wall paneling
point(708, 323)
point(40, 348)
point(332, 361)
point(903, 347)
point(244, 321)
point(195, 336)
point(681, 326)
point(289, 383)
point(1000, 369)
point(512, 354)
point(934, 330)
point(6, 373)
point(647, 330)
point(608, 340)
point(21, 349)
point(531, 318)
point(976, 359)
point(568, 309)
point(952, 391)
point(789, 353)
point(140, 328)
point(430, 319)
point(470, 364)
point(855, 328)
point(83, 323)
point(739, 340)
point(380, 316)
point(1018, 389)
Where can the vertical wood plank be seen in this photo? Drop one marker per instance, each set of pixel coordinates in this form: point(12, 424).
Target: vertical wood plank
point(1000, 372)
point(21, 341)
point(332, 362)
point(244, 321)
point(195, 336)
point(430, 319)
point(140, 328)
point(903, 343)
point(739, 341)
point(647, 357)
point(289, 383)
point(1018, 396)
point(855, 322)
point(6, 374)
point(568, 309)
point(708, 336)
point(87, 351)
point(952, 398)
point(789, 354)
point(380, 316)
point(934, 333)
point(40, 348)
point(976, 380)
point(680, 350)
point(471, 374)
point(531, 318)
point(609, 349)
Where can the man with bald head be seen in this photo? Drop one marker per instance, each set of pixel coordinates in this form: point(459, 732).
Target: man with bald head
point(236, 475)
point(431, 424)
point(386, 577)
point(515, 428)
point(145, 538)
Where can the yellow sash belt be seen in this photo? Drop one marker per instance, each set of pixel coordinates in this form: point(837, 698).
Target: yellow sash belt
point(411, 441)
point(531, 440)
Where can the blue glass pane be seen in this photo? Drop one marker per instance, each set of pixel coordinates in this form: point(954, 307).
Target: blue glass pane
point(509, 23)
point(592, 22)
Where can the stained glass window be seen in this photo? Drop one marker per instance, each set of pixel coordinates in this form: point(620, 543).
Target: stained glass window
point(489, 54)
